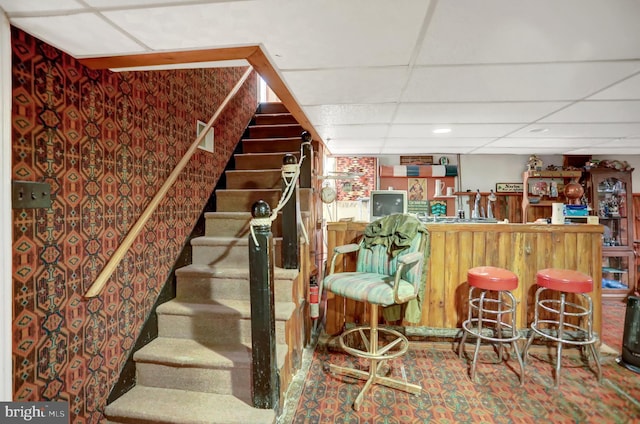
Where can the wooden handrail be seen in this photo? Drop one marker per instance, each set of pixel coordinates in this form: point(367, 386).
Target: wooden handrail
point(106, 272)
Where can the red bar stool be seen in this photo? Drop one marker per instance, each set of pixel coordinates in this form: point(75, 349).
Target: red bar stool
point(554, 326)
point(486, 318)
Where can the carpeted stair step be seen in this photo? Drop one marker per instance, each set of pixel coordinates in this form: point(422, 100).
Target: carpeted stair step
point(185, 364)
point(272, 107)
point(254, 178)
point(202, 283)
point(222, 321)
point(264, 145)
point(227, 252)
point(234, 200)
point(263, 160)
point(274, 119)
point(235, 224)
point(152, 405)
point(275, 131)
point(242, 200)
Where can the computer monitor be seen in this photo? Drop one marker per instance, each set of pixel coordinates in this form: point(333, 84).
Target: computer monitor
point(386, 202)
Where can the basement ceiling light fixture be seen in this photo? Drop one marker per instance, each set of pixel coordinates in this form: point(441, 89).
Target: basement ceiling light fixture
point(441, 131)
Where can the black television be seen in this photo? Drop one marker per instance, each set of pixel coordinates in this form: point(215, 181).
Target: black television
point(386, 202)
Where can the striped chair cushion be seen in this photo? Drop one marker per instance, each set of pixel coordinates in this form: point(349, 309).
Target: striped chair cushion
point(367, 287)
point(377, 260)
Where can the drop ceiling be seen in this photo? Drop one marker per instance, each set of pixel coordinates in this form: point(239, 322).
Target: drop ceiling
point(376, 77)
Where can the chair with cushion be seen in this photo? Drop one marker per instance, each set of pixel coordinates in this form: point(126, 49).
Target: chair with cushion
point(389, 271)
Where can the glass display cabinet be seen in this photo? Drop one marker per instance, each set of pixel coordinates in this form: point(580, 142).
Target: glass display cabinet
point(611, 200)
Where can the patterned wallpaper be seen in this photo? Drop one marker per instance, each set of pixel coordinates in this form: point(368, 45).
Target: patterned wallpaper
point(105, 142)
point(355, 189)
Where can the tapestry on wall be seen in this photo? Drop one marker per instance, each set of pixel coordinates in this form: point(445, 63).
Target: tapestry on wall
point(357, 188)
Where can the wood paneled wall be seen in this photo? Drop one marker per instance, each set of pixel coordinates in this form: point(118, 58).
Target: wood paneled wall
point(521, 248)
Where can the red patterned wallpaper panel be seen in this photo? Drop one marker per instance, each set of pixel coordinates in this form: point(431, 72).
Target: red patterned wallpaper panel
point(105, 142)
point(355, 189)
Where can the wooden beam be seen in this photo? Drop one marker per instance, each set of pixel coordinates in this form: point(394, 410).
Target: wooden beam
point(263, 66)
point(169, 58)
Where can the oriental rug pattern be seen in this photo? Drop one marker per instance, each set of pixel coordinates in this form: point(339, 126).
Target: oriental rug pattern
point(450, 397)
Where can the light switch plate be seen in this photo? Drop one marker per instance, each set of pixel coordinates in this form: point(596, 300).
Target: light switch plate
point(30, 195)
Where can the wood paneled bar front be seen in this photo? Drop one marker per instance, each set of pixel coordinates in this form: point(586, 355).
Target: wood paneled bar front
point(456, 247)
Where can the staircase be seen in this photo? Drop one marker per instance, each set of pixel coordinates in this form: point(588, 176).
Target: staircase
point(198, 370)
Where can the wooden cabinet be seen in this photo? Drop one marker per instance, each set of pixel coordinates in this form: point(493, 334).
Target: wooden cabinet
point(611, 198)
point(548, 187)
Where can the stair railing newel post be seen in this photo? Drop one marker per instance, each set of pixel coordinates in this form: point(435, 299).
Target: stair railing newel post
point(290, 217)
point(305, 166)
point(263, 329)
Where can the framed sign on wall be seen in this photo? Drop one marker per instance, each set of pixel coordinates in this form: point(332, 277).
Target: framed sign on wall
point(509, 187)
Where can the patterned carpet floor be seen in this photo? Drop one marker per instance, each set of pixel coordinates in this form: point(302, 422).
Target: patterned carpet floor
point(448, 395)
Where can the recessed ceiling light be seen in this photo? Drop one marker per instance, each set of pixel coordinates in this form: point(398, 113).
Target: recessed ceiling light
point(441, 131)
point(539, 130)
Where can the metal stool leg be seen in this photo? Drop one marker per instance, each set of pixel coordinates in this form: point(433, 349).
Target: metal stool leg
point(516, 350)
point(469, 317)
point(532, 335)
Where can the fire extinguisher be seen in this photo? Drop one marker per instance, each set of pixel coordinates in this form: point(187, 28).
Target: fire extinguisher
point(314, 298)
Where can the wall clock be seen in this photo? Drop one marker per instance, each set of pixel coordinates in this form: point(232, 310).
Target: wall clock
point(444, 160)
point(327, 194)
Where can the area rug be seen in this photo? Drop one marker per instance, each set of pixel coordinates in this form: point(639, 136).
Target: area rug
point(449, 396)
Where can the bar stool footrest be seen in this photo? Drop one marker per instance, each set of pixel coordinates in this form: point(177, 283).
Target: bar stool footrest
point(395, 347)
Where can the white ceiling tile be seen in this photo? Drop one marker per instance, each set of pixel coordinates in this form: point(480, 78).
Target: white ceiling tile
point(586, 130)
point(281, 26)
point(504, 31)
point(363, 131)
point(469, 113)
point(598, 111)
point(525, 150)
point(359, 143)
point(563, 143)
point(457, 130)
point(351, 146)
point(195, 25)
point(335, 86)
point(39, 6)
point(422, 150)
point(626, 142)
point(432, 143)
point(627, 89)
point(351, 113)
point(532, 82)
point(110, 4)
point(354, 33)
point(84, 35)
point(598, 150)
